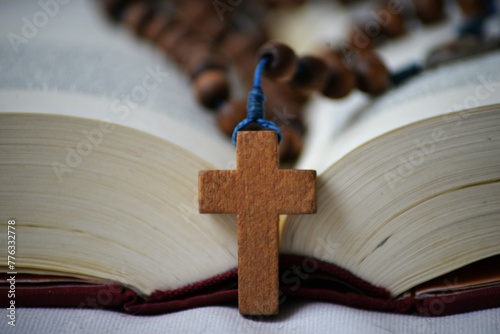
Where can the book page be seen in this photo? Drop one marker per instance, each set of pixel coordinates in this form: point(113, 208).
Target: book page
point(78, 53)
point(458, 86)
point(79, 65)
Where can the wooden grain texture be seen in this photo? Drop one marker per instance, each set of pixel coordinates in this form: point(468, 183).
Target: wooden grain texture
point(257, 192)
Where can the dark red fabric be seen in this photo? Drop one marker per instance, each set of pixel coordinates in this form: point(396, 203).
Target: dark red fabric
point(331, 270)
point(214, 298)
point(219, 282)
point(69, 295)
point(353, 300)
point(301, 277)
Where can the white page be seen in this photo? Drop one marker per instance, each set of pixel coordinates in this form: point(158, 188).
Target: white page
point(463, 85)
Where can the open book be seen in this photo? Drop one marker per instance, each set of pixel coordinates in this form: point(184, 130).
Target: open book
point(100, 151)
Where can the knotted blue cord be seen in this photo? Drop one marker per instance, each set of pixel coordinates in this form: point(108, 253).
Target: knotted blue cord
point(255, 104)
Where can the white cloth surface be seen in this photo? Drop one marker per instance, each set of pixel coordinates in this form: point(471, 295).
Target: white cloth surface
point(295, 317)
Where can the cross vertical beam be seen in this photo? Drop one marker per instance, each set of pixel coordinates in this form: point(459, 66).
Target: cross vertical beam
point(257, 192)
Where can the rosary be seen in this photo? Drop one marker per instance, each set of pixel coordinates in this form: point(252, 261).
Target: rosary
point(208, 39)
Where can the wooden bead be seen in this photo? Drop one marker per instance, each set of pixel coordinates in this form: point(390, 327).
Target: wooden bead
point(211, 88)
point(369, 28)
point(391, 21)
point(230, 114)
point(372, 75)
point(311, 73)
point(282, 64)
point(472, 7)
point(136, 15)
point(361, 38)
point(429, 11)
point(340, 79)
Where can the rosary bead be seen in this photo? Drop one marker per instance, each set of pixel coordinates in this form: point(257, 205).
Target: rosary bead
point(311, 73)
point(391, 21)
point(136, 16)
point(370, 29)
point(360, 39)
point(429, 11)
point(230, 114)
point(340, 79)
point(371, 73)
point(211, 88)
point(282, 64)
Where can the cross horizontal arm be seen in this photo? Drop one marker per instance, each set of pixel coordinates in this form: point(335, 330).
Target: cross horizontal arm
point(296, 191)
point(217, 191)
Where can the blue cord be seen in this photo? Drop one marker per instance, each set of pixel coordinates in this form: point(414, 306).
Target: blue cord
point(261, 66)
point(406, 73)
point(255, 104)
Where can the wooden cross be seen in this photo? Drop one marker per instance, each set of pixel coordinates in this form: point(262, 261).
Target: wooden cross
point(257, 192)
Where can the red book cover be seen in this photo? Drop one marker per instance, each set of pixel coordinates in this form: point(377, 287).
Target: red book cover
point(300, 277)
